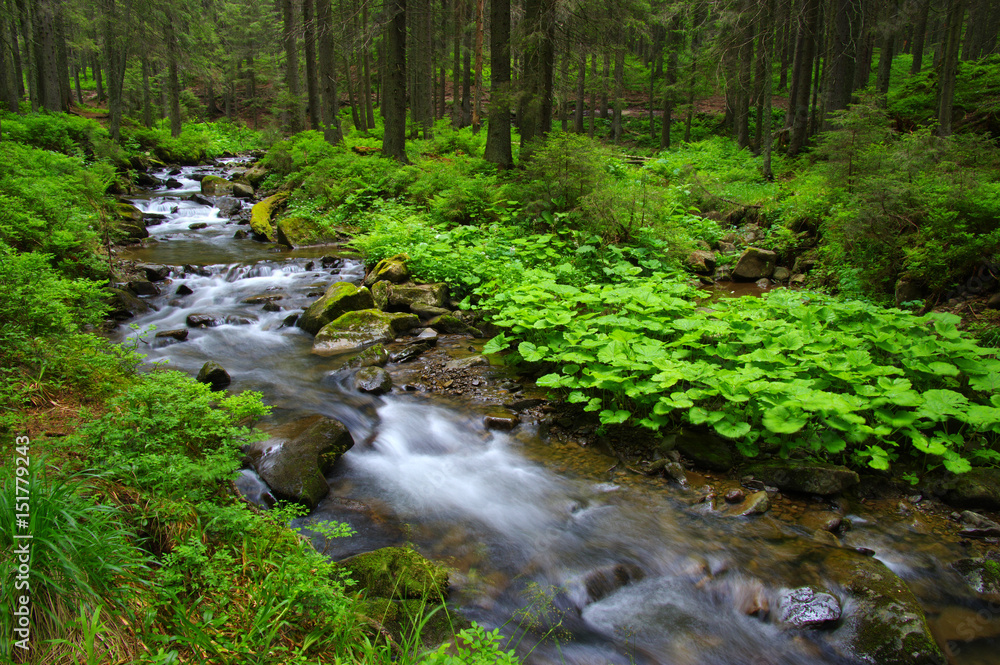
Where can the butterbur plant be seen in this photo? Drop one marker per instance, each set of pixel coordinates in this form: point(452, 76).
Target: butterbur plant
point(791, 370)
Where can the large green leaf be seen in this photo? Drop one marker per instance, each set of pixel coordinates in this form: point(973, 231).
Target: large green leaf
point(731, 429)
point(784, 420)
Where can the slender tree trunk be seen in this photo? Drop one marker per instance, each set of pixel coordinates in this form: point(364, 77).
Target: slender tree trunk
point(477, 106)
point(605, 84)
point(117, 19)
point(466, 78)
point(784, 43)
point(581, 93)
point(99, 80)
point(394, 99)
point(498, 148)
point(674, 40)
point(949, 66)
point(173, 86)
point(15, 50)
point(887, 48)
point(744, 90)
point(765, 119)
point(147, 110)
point(619, 92)
point(351, 99)
point(24, 12)
point(842, 57)
point(76, 81)
point(593, 96)
point(312, 83)
point(803, 74)
point(920, 36)
point(62, 58)
point(8, 86)
point(456, 64)
point(328, 75)
point(366, 79)
point(288, 39)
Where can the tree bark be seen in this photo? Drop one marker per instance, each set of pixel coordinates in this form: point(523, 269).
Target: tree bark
point(173, 86)
point(117, 19)
point(593, 95)
point(394, 96)
point(581, 93)
point(456, 64)
point(330, 110)
point(498, 148)
point(294, 111)
point(619, 92)
point(887, 48)
point(674, 41)
point(920, 36)
point(477, 105)
point(366, 79)
point(806, 51)
point(949, 66)
point(841, 58)
point(312, 83)
point(765, 119)
point(147, 109)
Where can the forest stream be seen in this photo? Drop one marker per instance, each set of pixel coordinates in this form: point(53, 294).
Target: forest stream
point(570, 552)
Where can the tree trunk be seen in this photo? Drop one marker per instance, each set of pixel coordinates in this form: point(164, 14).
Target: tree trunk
point(920, 37)
point(498, 148)
point(887, 48)
point(744, 90)
point(605, 83)
point(99, 80)
point(842, 57)
point(674, 41)
point(593, 95)
point(765, 119)
point(76, 80)
point(117, 19)
point(581, 93)
point(15, 51)
point(477, 106)
point(24, 12)
point(394, 96)
point(328, 75)
point(294, 110)
point(312, 84)
point(173, 86)
point(62, 58)
point(351, 99)
point(147, 110)
point(806, 51)
point(619, 92)
point(466, 77)
point(366, 79)
point(949, 66)
point(8, 86)
point(456, 63)
point(785, 42)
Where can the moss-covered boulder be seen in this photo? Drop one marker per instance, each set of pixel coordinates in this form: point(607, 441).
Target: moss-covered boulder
point(706, 450)
point(255, 175)
point(355, 331)
point(373, 356)
point(340, 297)
point(447, 324)
point(392, 269)
point(130, 224)
point(213, 185)
point(755, 264)
point(982, 575)
point(885, 622)
point(407, 295)
point(978, 489)
point(214, 374)
point(803, 476)
point(261, 215)
point(301, 232)
point(242, 190)
point(399, 573)
point(398, 617)
point(124, 304)
point(374, 380)
point(380, 292)
point(295, 469)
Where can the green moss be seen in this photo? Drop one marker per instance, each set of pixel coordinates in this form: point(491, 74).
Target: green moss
point(260, 216)
point(340, 297)
point(399, 573)
point(392, 269)
point(354, 331)
point(446, 324)
point(299, 232)
point(213, 185)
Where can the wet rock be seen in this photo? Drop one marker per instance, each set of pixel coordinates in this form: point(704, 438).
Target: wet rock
point(235, 320)
point(374, 380)
point(806, 607)
point(451, 325)
point(994, 301)
point(213, 185)
point(242, 191)
point(524, 404)
point(466, 363)
point(380, 294)
point(886, 624)
point(173, 183)
point(180, 334)
point(398, 572)
point(153, 272)
point(757, 503)
point(701, 262)
point(781, 274)
point(803, 264)
point(202, 321)
point(755, 263)
point(427, 312)
point(373, 356)
point(982, 575)
point(184, 290)
point(803, 476)
point(978, 526)
point(735, 496)
point(240, 234)
point(124, 305)
point(909, 289)
point(228, 206)
point(355, 331)
point(797, 280)
point(821, 520)
point(198, 225)
point(706, 450)
point(428, 334)
point(602, 582)
point(253, 489)
point(271, 307)
point(978, 489)
point(411, 350)
point(392, 269)
point(199, 199)
point(501, 419)
point(143, 288)
point(763, 283)
point(129, 222)
point(214, 374)
point(408, 295)
point(143, 179)
point(153, 218)
point(295, 469)
point(262, 298)
point(340, 298)
point(674, 471)
point(255, 175)
point(289, 320)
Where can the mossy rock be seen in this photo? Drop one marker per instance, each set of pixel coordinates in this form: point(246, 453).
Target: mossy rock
point(124, 305)
point(706, 450)
point(302, 232)
point(399, 573)
point(213, 185)
point(129, 223)
point(380, 292)
point(355, 331)
point(263, 212)
point(340, 297)
point(374, 380)
point(392, 269)
point(802, 476)
point(408, 295)
point(373, 356)
point(447, 324)
point(978, 489)
point(255, 175)
point(886, 622)
point(755, 264)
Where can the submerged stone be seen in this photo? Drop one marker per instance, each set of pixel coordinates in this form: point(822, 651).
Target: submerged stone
point(214, 374)
point(374, 380)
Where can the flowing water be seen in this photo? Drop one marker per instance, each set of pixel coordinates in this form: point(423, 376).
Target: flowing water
point(573, 556)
